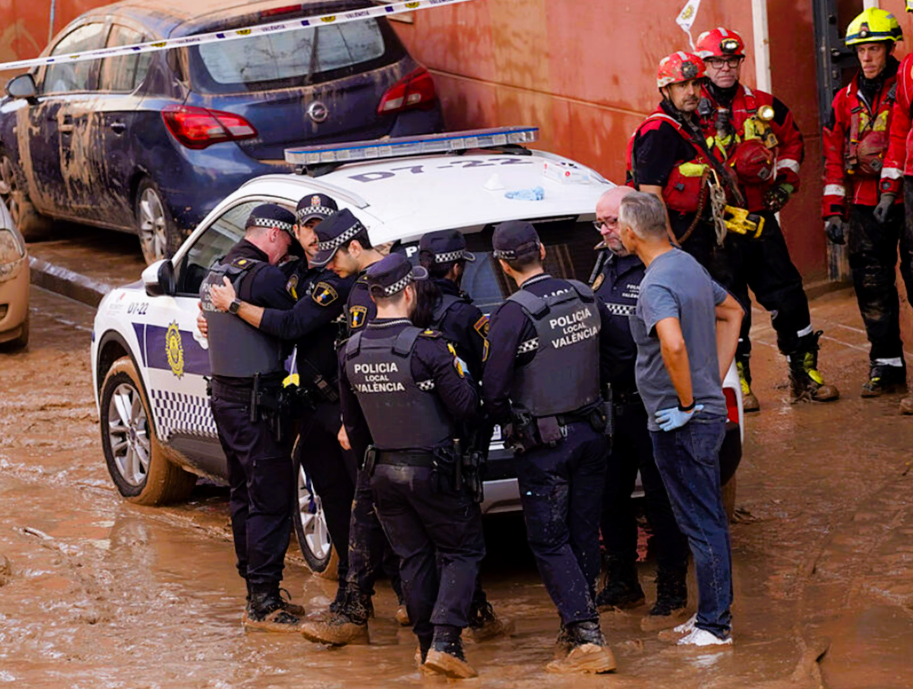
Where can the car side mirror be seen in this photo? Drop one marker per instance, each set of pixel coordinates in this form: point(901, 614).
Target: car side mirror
point(158, 279)
point(23, 86)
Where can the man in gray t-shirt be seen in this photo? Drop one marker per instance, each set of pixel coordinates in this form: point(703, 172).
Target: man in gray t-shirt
point(686, 328)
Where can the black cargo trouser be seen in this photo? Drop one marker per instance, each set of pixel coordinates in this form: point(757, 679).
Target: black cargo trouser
point(438, 537)
point(872, 249)
point(332, 471)
point(632, 449)
point(262, 486)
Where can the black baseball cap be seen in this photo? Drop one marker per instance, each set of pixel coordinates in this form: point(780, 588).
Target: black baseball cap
point(271, 215)
point(513, 239)
point(333, 232)
point(315, 206)
point(393, 274)
point(446, 246)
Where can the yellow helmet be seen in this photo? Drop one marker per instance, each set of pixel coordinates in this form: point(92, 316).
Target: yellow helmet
point(874, 25)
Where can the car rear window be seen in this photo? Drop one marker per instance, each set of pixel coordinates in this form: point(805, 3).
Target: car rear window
point(295, 58)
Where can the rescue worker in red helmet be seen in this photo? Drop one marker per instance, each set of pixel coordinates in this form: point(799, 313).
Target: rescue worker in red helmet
point(855, 141)
point(897, 172)
point(756, 134)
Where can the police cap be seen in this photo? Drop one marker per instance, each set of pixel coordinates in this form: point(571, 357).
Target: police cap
point(333, 232)
point(393, 274)
point(315, 206)
point(515, 239)
point(271, 215)
point(445, 246)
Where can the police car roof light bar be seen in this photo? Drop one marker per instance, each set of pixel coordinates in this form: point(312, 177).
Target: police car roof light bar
point(448, 142)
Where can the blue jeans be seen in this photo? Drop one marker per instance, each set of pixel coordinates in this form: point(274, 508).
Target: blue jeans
point(688, 460)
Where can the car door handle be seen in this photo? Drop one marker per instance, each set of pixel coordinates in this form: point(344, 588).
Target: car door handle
point(66, 124)
point(118, 127)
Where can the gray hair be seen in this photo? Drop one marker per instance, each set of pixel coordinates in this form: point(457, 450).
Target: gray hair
point(644, 214)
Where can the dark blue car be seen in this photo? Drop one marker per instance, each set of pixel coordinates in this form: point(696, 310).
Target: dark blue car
point(150, 143)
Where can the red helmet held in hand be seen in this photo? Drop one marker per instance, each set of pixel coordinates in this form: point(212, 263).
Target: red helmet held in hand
point(678, 67)
point(754, 163)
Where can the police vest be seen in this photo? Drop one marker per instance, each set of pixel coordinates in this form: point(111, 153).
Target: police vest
point(440, 310)
point(564, 374)
point(401, 413)
point(236, 349)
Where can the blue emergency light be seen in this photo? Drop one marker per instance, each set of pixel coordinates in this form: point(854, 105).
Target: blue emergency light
point(377, 149)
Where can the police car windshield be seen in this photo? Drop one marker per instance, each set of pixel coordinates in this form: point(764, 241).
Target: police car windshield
point(569, 246)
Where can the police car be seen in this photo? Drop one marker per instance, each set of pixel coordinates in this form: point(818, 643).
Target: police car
point(150, 361)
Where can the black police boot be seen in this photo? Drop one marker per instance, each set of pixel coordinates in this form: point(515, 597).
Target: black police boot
point(620, 586)
point(484, 624)
point(805, 382)
point(266, 611)
point(588, 651)
point(340, 598)
point(671, 600)
point(884, 379)
point(564, 643)
point(749, 401)
point(446, 656)
point(347, 626)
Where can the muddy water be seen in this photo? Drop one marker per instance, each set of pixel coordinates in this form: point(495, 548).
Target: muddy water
point(106, 594)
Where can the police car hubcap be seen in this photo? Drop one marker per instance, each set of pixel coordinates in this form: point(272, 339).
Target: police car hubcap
point(313, 520)
point(127, 434)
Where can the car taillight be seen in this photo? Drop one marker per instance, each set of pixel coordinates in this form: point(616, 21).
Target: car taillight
point(198, 128)
point(732, 405)
point(415, 90)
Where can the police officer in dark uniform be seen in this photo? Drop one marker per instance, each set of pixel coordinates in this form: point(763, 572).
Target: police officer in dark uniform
point(403, 387)
point(542, 383)
point(617, 283)
point(247, 372)
point(311, 325)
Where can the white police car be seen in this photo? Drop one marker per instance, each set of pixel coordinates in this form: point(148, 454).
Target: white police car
point(149, 360)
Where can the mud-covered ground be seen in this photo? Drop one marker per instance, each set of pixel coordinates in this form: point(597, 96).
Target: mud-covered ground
point(100, 593)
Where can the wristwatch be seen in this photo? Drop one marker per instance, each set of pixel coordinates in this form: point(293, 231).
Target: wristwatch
point(234, 306)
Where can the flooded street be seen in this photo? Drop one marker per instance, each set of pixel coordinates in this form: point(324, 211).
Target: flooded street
point(95, 592)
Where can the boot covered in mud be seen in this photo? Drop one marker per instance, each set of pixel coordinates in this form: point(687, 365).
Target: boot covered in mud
point(287, 605)
point(588, 651)
point(563, 643)
point(267, 611)
point(340, 600)
point(805, 381)
point(906, 406)
point(884, 379)
point(446, 656)
point(347, 626)
point(484, 624)
point(749, 401)
point(671, 599)
point(620, 586)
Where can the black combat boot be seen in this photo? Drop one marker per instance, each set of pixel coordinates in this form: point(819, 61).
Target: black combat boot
point(267, 611)
point(805, 382)
point(620, 586)
point(588, 651)
point(749, 401)
point(347, 626)
point(484, 624)
point(446, 656)
point(884, 379)
point(671, 600)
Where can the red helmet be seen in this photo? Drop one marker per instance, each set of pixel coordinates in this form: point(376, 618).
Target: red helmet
point(754, 163)
point(720, 42)
point(680, 66)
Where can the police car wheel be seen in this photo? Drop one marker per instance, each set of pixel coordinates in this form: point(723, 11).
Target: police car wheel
point(729, 491)
point(311, 528)
point(137, 461)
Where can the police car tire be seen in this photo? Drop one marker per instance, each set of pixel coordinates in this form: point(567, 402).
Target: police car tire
point(325, 568)
point(165, 481)
point(729, 493)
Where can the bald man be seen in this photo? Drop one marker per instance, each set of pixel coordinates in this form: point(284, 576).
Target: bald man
point(616, 280)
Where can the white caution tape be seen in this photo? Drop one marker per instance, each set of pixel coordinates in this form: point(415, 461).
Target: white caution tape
point(233, 34)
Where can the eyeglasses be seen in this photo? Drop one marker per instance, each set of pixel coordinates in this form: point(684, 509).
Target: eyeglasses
point(608, 222)
point(718, 62)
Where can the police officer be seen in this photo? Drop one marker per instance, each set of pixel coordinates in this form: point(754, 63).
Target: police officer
point(540, 383)
point(403, 388)
point(617, 283)
point(247, 372)
point(345, 248)
point(451, 312)
point(855, 142)
point(757, 137)
point(311, 325)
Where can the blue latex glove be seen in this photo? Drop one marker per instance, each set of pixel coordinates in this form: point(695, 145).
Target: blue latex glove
point(534, 194)
point(672, 418)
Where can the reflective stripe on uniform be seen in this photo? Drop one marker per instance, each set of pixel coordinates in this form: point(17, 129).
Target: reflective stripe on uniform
point(834, 190)
point(787, 164)
point(891, 173)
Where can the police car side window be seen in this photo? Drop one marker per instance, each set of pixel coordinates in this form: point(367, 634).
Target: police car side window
point(215, 242)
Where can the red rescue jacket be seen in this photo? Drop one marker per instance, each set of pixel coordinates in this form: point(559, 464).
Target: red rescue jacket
point(790, 149)
point(855, 124)
point(898, 161)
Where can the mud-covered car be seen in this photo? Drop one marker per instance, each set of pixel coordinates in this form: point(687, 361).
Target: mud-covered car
point(14, 285)
point(150, 143)
point(149, 360)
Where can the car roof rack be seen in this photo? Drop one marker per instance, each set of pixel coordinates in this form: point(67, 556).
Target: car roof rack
point(320, 160)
